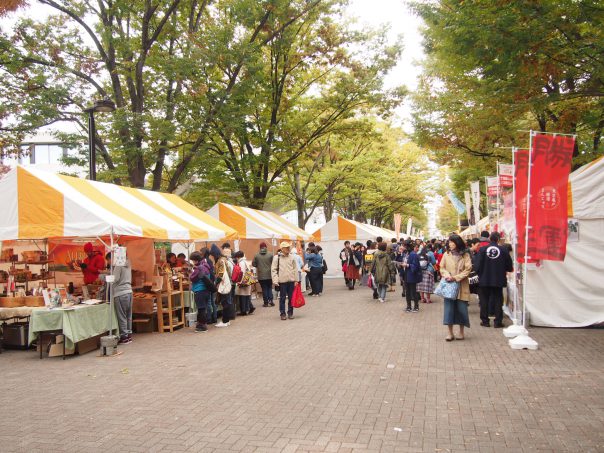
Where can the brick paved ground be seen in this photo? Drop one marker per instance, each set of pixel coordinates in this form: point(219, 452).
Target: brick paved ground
point(346, 375)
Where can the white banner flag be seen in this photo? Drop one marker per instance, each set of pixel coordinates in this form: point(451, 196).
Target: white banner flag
point(409, 224)
point(471, 220)
point(475, 192)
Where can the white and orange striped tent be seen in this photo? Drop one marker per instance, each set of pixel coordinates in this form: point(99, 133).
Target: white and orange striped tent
point(342, 229)
point(332, 235)
point(39, 205)
point(255, 224)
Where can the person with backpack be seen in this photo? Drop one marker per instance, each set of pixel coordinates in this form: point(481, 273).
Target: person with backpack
point(413, 275)
point(368, 264)
point(262, 262)
point(315, 270)
point(427, 261)
point(492, 263)
point(456, 266)
point(224, 270)
point(201, 285)
point(243, 289)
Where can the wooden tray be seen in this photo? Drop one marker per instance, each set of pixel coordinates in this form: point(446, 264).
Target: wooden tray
point(34, 301)
point(12, 302)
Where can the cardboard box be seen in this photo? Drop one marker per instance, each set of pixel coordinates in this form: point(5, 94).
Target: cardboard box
point(87, 345)
point(56, 348)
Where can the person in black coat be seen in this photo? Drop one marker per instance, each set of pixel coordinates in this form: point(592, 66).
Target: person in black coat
point(492, 263)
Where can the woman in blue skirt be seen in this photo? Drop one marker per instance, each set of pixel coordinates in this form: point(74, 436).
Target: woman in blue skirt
point(456, 266)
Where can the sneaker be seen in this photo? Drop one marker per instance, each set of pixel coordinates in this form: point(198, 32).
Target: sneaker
point(408, 309)
point(252, 310)
point(124, 340)
point(290, 316)
point(265, 305)
point(272, 304)
point(223, 324)
point(283, 317)
point(416, 310)
point(485, 324)
point(201, 329)
point(381, 300)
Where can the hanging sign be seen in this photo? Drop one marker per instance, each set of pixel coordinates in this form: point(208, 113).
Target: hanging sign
point(475, 192)
point(506, 175)
point(521, 184)
point(548, 216)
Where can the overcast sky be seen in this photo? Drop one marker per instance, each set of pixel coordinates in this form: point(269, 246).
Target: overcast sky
point(397, 15)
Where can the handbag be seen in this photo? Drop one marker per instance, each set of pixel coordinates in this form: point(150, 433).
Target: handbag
point(356, 261)
point(447, 290)
point(305, 268)
point(345, 267)
point(248, 279)
point(224, 287)
point(298, 298)
point(370, 281)
point(324, 266)
point(209, 284)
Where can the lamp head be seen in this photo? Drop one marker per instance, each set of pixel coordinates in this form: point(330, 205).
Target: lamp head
point(102, 106)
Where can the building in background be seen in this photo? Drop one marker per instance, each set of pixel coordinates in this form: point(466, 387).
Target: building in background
point(45, 152)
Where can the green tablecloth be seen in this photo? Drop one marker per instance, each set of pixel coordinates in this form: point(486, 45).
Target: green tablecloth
point(77, 324)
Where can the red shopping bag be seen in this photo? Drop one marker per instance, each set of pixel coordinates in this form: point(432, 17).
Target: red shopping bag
point(298, 298)
point(370, 282)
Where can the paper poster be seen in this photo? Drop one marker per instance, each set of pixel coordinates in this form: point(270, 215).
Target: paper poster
point(475, 193)
point(119, 256)
point(573, 230)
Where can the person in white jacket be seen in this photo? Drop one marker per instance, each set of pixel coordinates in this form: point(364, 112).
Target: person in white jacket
point(285, 275)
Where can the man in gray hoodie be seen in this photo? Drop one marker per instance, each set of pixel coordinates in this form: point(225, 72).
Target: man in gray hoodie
point(122, 297)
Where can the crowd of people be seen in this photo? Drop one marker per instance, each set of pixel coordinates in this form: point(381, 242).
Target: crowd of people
point(477, 266)
point(221, 277)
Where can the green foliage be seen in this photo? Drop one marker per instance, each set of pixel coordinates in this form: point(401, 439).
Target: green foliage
point(494, 69)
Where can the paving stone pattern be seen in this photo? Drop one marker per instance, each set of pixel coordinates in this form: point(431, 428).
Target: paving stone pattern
point(346, 375)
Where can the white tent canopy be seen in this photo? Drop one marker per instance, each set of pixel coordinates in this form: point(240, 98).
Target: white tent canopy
point(571, 293)
point(332, 235)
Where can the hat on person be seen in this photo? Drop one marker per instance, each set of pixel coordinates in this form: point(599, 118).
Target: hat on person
point(285, 244)
point(263, 245)
point(484, 234)
point(88, 248)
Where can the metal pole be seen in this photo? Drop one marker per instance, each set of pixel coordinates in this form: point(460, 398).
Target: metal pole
point(526, 232)
point(515, 238)
point(111, 288)
point(498, 195)
point(91, 146)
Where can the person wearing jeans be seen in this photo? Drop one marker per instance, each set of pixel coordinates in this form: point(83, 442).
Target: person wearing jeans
point(199, 277)
point(413, 275)
point(263, 262)
point(315, 274)
point(382, 270)
point(284, 272)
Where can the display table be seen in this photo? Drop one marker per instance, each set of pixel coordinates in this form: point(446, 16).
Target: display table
point(76, 323)
point(17, 312)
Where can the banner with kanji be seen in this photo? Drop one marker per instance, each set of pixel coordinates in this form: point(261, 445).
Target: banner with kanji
point(475, 193)
point(551, 157)
point(505, 216)
point(492, 201)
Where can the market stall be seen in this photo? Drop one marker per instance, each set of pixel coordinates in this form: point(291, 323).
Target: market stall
point(473, 231)
point(55, 215)
point(571, 293)
point(254, 226)
point(332, 235)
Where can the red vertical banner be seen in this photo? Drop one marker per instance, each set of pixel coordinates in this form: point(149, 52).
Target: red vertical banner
point(551, 163)
point(520, 194)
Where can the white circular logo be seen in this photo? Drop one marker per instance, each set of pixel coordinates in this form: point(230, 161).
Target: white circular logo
point(549, 198)
point(493, 252)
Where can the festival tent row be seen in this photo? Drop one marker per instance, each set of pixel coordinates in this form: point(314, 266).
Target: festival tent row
point(254, 226)
point(571, 293)
point(474, 230)
point(332, 235)
point(40, 205)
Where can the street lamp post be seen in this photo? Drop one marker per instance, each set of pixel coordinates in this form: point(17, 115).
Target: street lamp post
point(104, 105)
